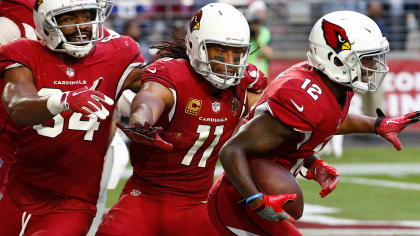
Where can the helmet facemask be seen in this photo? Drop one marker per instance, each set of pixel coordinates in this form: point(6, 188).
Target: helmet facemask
point(372, 79)
point(56, 40)
point(107, 5)
point(221, 81)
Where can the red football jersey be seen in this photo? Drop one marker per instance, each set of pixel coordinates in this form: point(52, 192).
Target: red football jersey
point(300, 99)
point(19, 11)
point(64, 156)
point(8, 129)
point(197, 125)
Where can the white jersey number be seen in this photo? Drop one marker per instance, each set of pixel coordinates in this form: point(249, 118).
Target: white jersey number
point(314, 90)
point(115, 36)
point(204, 132)
point(75, 122)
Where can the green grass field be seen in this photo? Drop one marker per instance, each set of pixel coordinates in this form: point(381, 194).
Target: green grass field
point(376, 155)
point(359, 201)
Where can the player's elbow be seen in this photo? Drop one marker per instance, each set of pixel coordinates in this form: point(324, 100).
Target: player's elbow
point(17, 118)
point(229, 154)
point(21, 116)
point(13, 113)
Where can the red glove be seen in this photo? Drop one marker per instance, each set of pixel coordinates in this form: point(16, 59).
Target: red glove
point(325, 175)
point(271, 208)
point(87, 102)
point(145, 134)
point(257, 78)
point(390, 127)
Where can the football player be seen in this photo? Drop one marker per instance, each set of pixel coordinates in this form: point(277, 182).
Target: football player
point(17, 21)
point(59, 91)
point(197, 95)
point(296, 116)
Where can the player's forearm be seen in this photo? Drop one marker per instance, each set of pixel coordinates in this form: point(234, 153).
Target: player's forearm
point(237, 169)
point(141, 113)
point(31, 110)
point(357, 124)
point(253, 97)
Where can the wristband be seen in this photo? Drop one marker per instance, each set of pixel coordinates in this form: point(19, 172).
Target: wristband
point(54, 104)
point(253, 197)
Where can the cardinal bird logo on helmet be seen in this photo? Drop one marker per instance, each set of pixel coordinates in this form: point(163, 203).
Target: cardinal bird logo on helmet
point(37, 3)
point(335, 36)
point(195, 21)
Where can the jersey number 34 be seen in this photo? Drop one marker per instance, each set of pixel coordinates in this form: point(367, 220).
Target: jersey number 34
point(75, 122)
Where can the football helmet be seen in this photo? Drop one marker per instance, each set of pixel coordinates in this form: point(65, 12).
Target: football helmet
point(218, 23)
point(107, 5)
point(47, 29)
point(349, 37)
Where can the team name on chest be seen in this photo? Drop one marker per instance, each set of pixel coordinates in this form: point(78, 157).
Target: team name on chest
point(65, 82)
point(213, 119)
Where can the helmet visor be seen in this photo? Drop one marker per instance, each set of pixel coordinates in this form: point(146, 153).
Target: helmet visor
point(368, 69)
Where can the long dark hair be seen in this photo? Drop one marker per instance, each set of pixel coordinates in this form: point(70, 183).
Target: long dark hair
point(174, 49)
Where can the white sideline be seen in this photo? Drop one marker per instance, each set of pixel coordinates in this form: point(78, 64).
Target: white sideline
point(313, 214)
point(382, 183)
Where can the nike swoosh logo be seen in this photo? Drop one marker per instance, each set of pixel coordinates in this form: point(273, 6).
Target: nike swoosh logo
point(74, 94)
point(300, 109)
point(153, 71)
point(391, 121)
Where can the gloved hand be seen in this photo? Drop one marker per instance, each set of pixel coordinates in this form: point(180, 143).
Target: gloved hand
point(271, 208)
point(390, 127)
point(325, 175)
point(260, 81)
point(145, 134)
point(86, 101)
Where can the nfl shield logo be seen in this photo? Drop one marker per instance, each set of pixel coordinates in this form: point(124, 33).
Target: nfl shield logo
point(215, 106)
point(70, 72)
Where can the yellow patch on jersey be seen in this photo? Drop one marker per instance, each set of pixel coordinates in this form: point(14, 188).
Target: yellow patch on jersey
point(193, 107)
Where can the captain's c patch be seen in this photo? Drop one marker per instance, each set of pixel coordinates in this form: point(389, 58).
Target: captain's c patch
point(193, 107)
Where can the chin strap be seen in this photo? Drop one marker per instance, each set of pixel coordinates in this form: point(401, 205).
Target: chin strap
point(77, 51)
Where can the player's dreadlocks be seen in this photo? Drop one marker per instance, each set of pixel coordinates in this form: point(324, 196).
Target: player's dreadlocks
point(175, 50)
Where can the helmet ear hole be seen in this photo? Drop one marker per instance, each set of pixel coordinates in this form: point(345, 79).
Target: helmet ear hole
point(338, 62)
point(190, 44)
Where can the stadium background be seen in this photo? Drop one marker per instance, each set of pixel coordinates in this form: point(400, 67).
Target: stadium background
point(379, 186)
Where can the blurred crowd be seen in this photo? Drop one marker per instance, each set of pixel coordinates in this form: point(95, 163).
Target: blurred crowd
point(276, 26)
